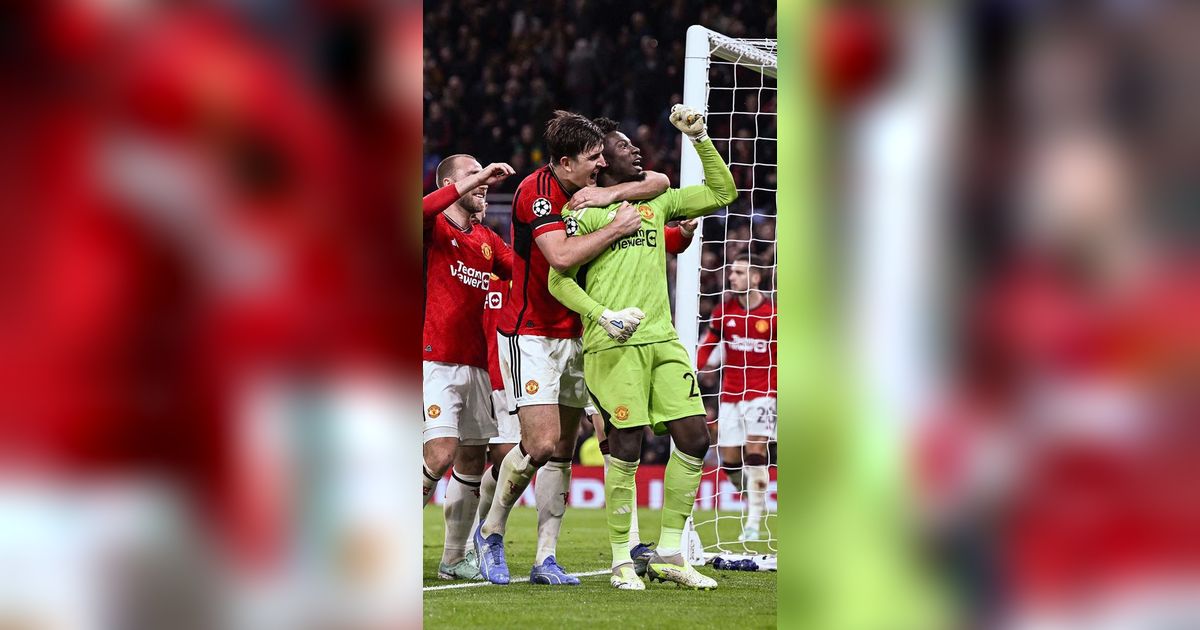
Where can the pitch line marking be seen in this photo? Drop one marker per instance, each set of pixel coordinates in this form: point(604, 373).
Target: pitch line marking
point(516, 581)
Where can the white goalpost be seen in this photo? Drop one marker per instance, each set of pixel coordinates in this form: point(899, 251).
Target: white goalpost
point(733, 81)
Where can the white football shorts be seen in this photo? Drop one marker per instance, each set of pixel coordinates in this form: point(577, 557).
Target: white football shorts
point(542, 371)
point(738, 420)
point(507, 424)
point(458, 403)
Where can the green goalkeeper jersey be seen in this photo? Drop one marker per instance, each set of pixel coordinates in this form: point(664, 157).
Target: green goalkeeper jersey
point(633, 270)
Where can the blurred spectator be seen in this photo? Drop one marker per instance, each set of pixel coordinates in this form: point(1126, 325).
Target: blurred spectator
point(1070, 413)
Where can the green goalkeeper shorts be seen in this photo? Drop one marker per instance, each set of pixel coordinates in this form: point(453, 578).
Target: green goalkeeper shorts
point(646, 385)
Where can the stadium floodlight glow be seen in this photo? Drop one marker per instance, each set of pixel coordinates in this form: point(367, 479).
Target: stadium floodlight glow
point(729, 80)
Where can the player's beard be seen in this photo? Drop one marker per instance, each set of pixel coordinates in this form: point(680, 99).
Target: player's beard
point(474, 205)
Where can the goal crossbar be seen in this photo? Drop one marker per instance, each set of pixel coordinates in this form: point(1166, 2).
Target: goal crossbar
point(754, 54)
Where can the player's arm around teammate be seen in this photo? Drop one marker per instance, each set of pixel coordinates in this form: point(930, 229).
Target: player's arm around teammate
point(641, 185)
point(675, 402)
point(622, 155)
point(622, 171)
point(562, 253)
point(574, 170)
point(539, 346)
point(623, 377)
point(598, 196)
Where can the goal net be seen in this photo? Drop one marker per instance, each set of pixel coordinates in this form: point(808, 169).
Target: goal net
point(733, 81)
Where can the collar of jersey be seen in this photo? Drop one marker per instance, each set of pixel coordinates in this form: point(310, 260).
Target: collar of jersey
point(751, 309)
point(456, 226)
point(558, 181)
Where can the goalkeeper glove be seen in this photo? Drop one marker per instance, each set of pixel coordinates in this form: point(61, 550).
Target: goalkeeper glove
point(620, 325)
point(690, 122)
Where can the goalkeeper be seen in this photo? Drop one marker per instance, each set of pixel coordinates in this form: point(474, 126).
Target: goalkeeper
point(637, 371)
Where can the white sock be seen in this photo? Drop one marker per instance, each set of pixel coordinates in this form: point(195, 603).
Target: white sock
point(634, 538)
point(515, 473)
point(487, 490)
point(756, 494)
point(462, 499)
point(428, 484)
point(551, 488)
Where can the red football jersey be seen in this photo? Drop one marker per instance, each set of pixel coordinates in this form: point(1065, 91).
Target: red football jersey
point(459, 262)
point(531, 309)
point(747, 341)
point(493, 306)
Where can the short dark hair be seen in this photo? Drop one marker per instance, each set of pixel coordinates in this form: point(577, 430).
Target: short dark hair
point(568, 134)
point(446, 167)
point(606, 125)
point(754, 263)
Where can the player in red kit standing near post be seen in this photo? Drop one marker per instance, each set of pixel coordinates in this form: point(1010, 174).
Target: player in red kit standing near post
point(743, 329)
point(460, 258)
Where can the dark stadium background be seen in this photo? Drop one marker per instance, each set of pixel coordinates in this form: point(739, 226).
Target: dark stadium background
point(495, 71)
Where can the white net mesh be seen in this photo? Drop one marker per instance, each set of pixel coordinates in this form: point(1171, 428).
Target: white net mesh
point(740, 109)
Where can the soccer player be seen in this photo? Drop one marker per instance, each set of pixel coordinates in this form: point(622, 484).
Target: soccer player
point(677, 240)
point(508, 428)
point(640, 552)
point(539, 345)
point(645, 379)
point(743, 330)
point(508, 431)
point(460, 258)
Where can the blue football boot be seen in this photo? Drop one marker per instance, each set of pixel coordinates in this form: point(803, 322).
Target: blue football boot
point(550, 573)
point(490, 551)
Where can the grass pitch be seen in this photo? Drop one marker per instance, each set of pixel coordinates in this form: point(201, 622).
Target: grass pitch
point(741, 600)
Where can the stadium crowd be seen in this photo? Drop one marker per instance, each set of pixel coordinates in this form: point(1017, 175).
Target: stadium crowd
point(629, 68)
